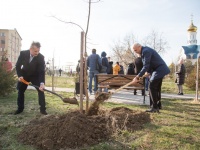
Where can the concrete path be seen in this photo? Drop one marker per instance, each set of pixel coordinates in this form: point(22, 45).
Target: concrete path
point(127, 96)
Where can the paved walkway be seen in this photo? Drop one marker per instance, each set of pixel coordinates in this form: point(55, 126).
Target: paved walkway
point(127, 96)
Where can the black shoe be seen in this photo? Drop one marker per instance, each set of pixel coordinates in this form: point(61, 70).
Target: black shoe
point(180, 93)
point(153, 110)
point(43, 112)
point(18, 112)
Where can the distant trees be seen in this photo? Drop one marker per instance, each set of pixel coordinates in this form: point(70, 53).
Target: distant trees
point(122, 51)
point(156, 41)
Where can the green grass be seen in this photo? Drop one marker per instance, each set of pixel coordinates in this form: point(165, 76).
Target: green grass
point(168, 86)
point(176, 127)
point(61, 82)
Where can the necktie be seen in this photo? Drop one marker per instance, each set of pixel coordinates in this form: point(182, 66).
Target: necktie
point(31, 58)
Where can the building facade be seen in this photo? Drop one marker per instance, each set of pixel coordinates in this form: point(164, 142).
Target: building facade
point(10, 45)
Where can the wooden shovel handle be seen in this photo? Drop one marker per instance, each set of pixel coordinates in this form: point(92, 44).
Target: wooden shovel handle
point(123, 87)
point(126, 85)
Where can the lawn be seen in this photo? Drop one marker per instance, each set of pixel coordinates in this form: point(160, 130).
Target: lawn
point(62, 82)
point(168, 86)
point(176, 127)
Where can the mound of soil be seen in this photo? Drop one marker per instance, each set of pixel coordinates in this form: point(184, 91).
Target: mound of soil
point(74, 130)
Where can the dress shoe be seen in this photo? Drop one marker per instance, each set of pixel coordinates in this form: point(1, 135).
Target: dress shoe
point(153, 110)
point(18, 112)
point(43, 112)
point(180, 93)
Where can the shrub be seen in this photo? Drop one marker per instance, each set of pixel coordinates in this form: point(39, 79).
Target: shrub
point(7, 81)
point(191, 77)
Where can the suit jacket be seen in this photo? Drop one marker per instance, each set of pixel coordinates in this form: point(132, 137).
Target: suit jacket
point(153, 64)
point(33, 71)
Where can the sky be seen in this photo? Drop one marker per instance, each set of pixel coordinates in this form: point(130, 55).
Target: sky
point(111, 20)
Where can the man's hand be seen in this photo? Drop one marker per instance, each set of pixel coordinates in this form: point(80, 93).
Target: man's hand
point(135, 80)
point(42, 86)
point(19, 79)
point(146, 74)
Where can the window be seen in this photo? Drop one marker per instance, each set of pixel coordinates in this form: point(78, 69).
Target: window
point(2, 34)
point(2, 41)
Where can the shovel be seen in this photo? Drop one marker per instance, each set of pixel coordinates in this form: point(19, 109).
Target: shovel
point(106, 95)
point(65, 100)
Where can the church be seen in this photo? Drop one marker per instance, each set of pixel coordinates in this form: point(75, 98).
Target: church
point(192, 49)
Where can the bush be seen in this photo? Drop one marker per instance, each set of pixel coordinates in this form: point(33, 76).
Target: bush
point(7, 81)
point(191, 77)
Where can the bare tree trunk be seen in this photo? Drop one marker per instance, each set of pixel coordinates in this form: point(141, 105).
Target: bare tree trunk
point(81, 70)
point(85, 59)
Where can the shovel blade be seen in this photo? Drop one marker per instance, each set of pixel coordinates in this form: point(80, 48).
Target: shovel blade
point(71, 100)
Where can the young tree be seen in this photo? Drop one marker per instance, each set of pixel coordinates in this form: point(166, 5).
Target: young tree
point(83, 54)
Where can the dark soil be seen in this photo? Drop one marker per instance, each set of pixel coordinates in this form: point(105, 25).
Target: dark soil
point(100, 97)
point(75, 130)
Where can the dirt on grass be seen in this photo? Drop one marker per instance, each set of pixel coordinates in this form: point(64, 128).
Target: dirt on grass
point(74, 130)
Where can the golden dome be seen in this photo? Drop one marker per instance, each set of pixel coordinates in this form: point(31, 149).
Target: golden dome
point(192, 28)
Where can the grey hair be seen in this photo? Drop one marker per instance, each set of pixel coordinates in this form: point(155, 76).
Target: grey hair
point(37, 44)
point(137, 44)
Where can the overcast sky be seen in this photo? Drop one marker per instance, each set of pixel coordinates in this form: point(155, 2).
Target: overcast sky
point(110, 21)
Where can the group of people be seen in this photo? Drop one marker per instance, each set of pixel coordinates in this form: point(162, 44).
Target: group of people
point(31, 67)
point(103, 65)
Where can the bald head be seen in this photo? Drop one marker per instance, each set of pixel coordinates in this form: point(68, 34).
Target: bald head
point(137, 48)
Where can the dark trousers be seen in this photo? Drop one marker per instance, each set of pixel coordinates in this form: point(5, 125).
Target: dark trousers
point(21, 87)
point(155, 93)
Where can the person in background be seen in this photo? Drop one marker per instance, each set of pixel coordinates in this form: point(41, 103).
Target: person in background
point(110, 66)
point(30, 66)
point(92, 62)
point(104, 69)
point(138, 67)
point(180, 76)
point(131, 69)
point(116, 69)
point(121, 71)
point(60, 71)
point(157, 68)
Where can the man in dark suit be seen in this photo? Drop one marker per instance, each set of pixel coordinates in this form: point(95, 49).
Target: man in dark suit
point(157, 68)
point(31, 67)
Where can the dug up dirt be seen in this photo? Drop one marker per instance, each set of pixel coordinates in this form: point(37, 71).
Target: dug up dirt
point(75, 130)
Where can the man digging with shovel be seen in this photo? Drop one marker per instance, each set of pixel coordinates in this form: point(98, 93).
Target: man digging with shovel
point(31, 67)
point(155, 65)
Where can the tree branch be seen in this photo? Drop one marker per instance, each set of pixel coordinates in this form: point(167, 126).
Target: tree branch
point(69, 22)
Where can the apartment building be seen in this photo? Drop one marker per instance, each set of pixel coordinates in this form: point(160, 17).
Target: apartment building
point(10, 45)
